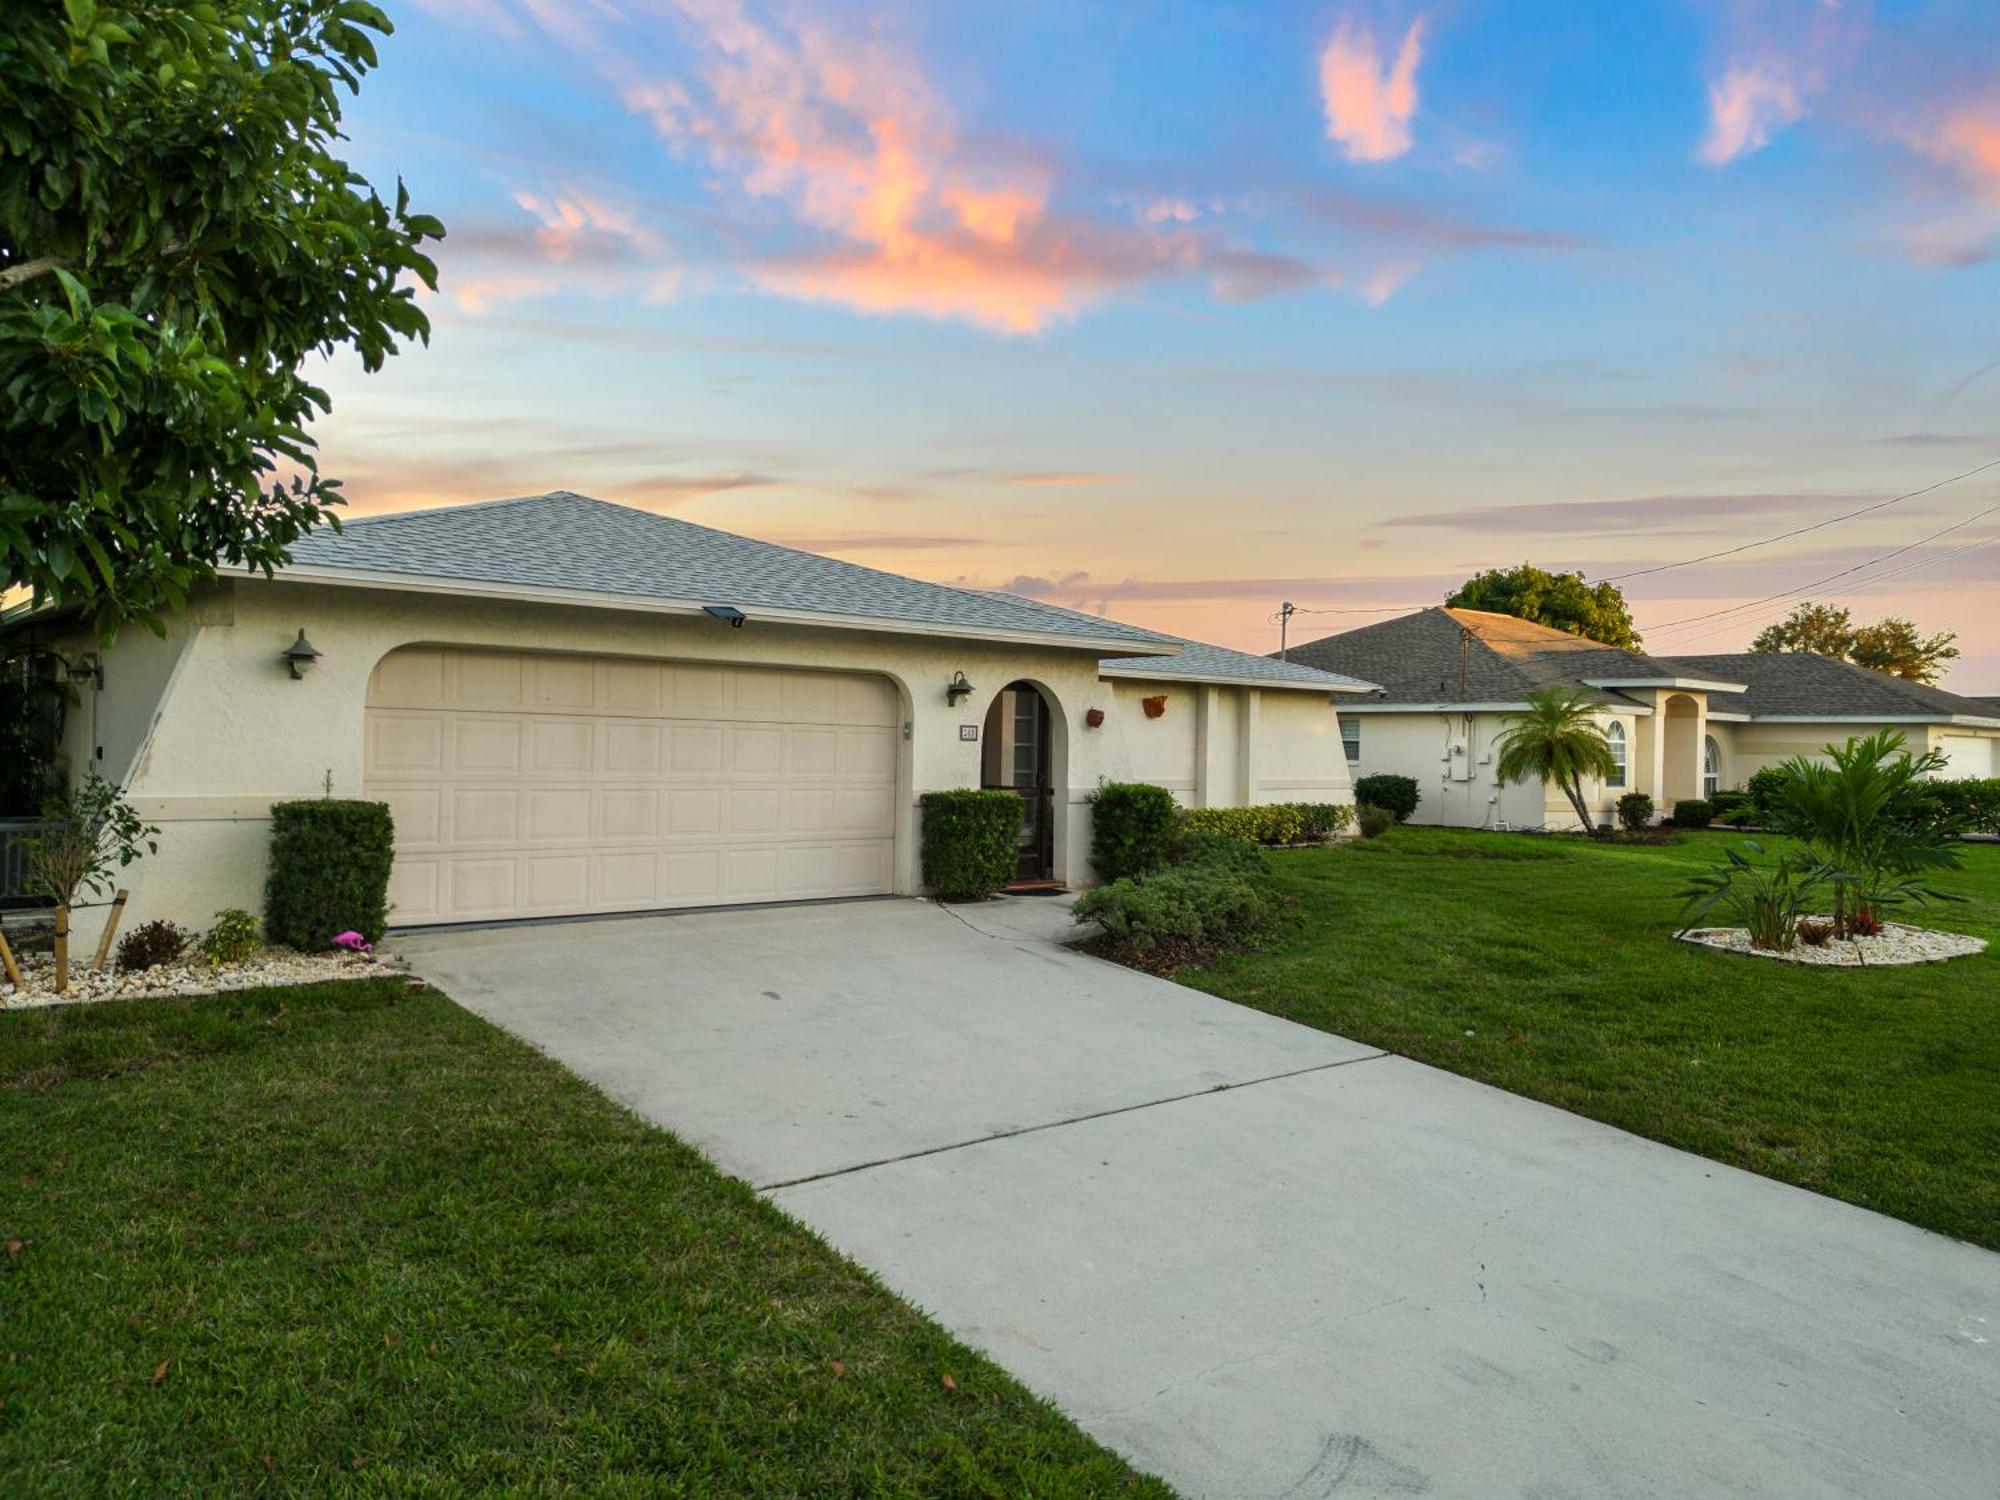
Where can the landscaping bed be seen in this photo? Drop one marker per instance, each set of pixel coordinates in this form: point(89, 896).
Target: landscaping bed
point(1897, 944)
point(194, 976)
point(350, 1237)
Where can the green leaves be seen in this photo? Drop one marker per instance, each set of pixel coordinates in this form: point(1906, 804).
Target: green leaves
point(177, 235)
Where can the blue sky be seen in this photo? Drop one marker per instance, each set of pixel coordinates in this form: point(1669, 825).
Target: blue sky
point(1178, 310)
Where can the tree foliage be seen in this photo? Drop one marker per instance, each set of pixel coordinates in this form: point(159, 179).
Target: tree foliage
point(1562, 601)
point(176, 237)
point(1892, 645)
point(1557, 741)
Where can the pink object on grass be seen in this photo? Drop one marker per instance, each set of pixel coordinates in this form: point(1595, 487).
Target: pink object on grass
point(353, 942)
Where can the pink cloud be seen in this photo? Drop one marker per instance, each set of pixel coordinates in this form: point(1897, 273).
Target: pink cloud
point(1369, 106)
point(580, 243)
point(1747, 105)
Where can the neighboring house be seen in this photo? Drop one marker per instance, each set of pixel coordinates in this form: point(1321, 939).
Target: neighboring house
point(1679, 726)
point(1448, 680)
point(579, 707)
point(1796, 703)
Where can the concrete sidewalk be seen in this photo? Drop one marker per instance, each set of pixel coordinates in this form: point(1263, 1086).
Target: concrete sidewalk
point(1257, 1259)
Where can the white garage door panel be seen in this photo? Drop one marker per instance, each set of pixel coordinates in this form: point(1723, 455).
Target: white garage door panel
point(540, 785)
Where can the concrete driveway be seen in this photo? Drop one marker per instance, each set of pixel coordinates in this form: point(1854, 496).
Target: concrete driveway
point(1257, 1259)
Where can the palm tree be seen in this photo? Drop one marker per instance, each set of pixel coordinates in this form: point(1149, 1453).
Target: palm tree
point(1854, 810)
point(1557, 740)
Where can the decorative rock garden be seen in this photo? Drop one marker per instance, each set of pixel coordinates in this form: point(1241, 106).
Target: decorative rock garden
point(192, 976)
point(1894, 945)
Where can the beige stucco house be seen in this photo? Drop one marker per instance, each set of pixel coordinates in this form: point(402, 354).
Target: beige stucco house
point(1679, 726)
point(577, 707)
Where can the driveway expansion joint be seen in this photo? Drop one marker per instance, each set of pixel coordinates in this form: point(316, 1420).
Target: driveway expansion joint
point(1097, 1114)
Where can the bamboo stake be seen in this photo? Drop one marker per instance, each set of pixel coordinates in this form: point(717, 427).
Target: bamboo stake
point(13, 969)
point(62, 949)
point(110, 931)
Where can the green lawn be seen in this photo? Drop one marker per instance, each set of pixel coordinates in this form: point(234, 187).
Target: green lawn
point(1544, 966)
point(353, 1237)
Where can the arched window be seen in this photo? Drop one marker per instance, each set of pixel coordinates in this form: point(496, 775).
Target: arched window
point(1614, 736)
point(1711, 767)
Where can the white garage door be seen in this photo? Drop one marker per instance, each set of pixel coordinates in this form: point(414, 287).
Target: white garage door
point(528, 784)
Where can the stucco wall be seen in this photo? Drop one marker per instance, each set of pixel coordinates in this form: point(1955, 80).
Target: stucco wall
point(1747, 748)
point(234, 732)
point(1463, 790)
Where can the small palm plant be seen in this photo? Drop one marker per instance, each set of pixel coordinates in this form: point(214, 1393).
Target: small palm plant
point(1855, 812)
point(1557, 740)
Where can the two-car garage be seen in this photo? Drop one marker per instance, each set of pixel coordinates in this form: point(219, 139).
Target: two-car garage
point(528, 784)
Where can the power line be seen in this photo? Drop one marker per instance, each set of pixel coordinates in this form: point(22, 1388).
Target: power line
point(1831, 577)
point(1802, 530)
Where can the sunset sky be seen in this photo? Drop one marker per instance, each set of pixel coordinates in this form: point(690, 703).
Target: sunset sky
point(1177, 310)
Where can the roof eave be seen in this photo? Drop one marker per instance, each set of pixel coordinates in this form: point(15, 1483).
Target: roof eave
point(1971, 721)
point(1220, 679)
point(1638, 710)
point(425, 583)
point(1699, 684)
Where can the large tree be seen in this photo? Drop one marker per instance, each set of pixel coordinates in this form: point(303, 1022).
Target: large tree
point(177, 235)
point(1891, 645)
point(1562, 601)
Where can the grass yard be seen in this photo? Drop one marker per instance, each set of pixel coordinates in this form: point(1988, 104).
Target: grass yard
point(1544, 966)
point(353, 1237)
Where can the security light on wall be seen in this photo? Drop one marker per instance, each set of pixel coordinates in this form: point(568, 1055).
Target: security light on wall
point(957, 690)
point(728, 612)
point(300, 655)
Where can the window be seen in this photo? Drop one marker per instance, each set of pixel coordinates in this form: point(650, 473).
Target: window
point(1614, 736)
point(1350, 739)
point(1711, 767)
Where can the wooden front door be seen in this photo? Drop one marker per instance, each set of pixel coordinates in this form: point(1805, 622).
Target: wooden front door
point(1016, 759)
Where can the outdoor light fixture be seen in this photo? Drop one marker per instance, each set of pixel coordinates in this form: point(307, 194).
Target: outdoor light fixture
point(300, 655)
point(84, 669)
point(957, 689)
point(728, 612)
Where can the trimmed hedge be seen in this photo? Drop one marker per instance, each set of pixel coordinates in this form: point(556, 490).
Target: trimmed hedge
point(1765, 787)
point(1732, 807)
point(1968, 805)
point(1131, 829)
point(1635, 811)
point(1693, 812)
point(330, 862)
point(1393, 794)
point(1219, 895)
point(1271, 823)
point(971, 841)
point(1374, 821)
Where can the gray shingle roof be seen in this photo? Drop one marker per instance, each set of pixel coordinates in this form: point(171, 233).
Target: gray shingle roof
point(1197, 661)
point(1443, 655)
point(568, 541)
point(1796, 683)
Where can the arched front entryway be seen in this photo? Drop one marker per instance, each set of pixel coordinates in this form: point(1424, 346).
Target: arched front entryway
point(1019, 754)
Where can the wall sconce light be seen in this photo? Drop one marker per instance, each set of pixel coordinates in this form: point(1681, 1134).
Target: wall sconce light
point(728, 612)
point(85, 669)
point(1094, 717)
point(957, 689)
point(300, 655)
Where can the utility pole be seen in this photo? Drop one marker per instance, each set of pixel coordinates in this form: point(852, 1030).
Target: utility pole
point(1285, 613)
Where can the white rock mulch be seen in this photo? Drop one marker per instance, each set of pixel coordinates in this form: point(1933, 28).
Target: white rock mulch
point(1894, 945)
point(188, 977)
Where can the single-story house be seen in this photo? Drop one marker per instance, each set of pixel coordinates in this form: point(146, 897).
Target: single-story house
point(576, 707)
point(1679, 726)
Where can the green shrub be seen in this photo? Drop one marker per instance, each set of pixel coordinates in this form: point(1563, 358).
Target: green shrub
point(1968, 805)
point(1635, 811)
point(233, 938)
point(1766, 788)
point(1131, 829)
point(149, 946)
point(1373, 821)
point(1731, 807)
point(1270, 823)
point(1397, 795)
point(330, 862)
point(1693, 812)
point(1767, 901)
point(1220, 896)
point(971, 841)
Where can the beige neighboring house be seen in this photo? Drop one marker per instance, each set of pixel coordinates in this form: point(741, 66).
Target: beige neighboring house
point(1679, 726)
point(576, 707)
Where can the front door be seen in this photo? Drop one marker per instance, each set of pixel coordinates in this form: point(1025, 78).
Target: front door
point(1017, 760)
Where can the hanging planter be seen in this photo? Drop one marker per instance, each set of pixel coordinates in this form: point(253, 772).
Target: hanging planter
point(1154, 706)
point(1094, 717)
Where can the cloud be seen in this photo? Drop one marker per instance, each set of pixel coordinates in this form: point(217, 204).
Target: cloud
point(1649, 515)
point(1369, 106)
point(579, 242)
point(1747, 105)
point(1063, 480)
